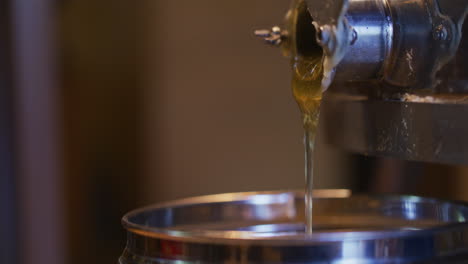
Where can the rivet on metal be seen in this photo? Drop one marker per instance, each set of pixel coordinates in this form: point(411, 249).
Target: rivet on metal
point(440, 33)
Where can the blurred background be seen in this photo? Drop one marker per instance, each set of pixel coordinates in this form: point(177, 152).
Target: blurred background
point(106, 106)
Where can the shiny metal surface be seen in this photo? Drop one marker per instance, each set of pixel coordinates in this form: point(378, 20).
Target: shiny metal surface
point(363, 34)
point(396, 73)
point(406, 42)
point(267, 227)
point(370, 46)
point(424, 41)
point(403, 44)
point(400, 43)
point(425, 128)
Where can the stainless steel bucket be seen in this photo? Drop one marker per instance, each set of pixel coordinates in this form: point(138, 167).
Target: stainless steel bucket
point(267, 227)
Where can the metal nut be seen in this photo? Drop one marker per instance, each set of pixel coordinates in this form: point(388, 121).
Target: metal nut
point(440, 33)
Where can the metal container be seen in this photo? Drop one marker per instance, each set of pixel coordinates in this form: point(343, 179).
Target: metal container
point(267, 227)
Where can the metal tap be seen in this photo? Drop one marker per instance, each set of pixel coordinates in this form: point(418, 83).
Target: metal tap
point(398, 43)
point(396, 73)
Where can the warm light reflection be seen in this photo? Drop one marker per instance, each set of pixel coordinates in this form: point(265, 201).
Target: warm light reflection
point(332, 193)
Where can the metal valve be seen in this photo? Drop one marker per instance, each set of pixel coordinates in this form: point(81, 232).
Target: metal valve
point(274, 36)
point(402, 44)
point(396, 73)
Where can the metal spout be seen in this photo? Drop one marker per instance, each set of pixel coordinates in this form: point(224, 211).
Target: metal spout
point(401, 44)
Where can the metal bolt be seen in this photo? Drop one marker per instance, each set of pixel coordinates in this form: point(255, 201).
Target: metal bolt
point(273, 37)
point(440, 33)
point(262, 33)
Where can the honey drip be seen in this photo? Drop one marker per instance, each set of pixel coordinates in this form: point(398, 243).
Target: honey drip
point(307, 74)
point(307, 90)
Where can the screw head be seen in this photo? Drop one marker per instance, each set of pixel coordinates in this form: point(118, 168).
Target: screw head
point(440, 33)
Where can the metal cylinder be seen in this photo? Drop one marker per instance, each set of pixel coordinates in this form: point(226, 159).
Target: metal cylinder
point(397, 43)
point(268, 227)
point(400, 77)
point(369, 44)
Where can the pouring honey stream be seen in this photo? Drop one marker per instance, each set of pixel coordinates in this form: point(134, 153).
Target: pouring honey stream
point(307, 90)
point(298, 41)
point(307, 72)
